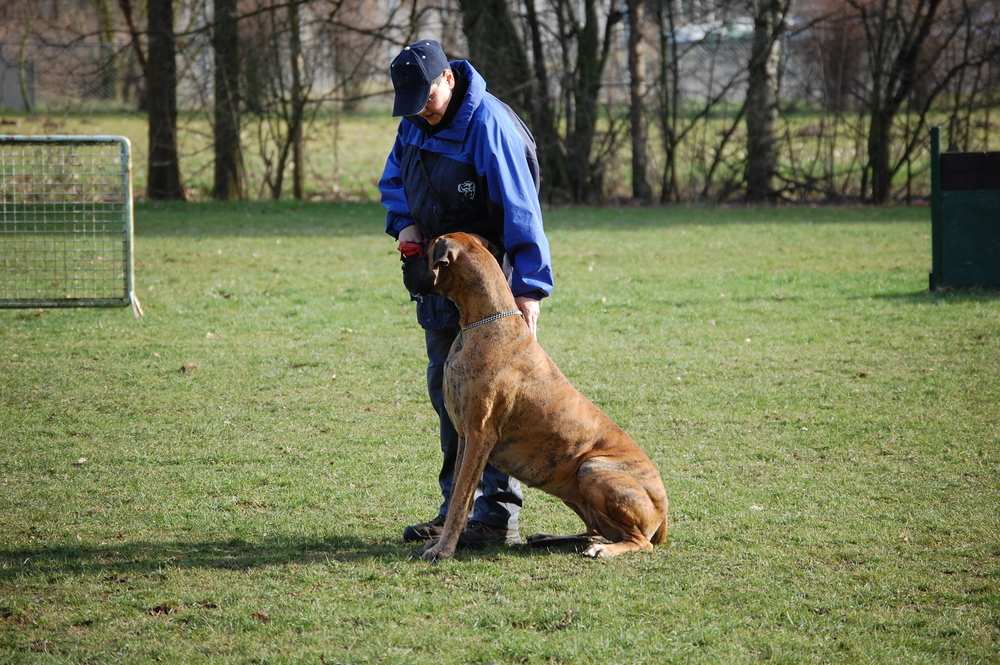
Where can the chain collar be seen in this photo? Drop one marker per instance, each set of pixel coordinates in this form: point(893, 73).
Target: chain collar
point(491, 318)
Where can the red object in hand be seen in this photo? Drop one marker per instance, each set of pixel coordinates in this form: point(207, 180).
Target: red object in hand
point(411, 249)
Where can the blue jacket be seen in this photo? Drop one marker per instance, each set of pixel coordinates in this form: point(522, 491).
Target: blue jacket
point(473, 175)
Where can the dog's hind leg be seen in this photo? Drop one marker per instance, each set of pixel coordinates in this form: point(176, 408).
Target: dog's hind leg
point(618, 506)
point(577, 541)
point(603, 551)
point(622, 535)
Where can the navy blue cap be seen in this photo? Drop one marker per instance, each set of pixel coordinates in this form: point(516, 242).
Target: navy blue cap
point(412, 72)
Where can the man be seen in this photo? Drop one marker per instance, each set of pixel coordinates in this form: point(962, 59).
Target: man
point(463, 161)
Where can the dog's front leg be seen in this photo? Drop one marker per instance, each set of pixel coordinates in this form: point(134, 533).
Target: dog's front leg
point(475, 451)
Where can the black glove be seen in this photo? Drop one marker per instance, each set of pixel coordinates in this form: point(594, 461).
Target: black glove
point(417, 276)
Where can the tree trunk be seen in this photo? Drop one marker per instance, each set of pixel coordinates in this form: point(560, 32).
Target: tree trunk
point(592, 55)
point(897, 36)
point(762, 98)
point(137, 83)
point(637, 93)
point(106, 40)
point(669, 93)
point(497, 52)
point(25, 71)
point(164, 178)
point(228, 158)
point(879, 137)
point(587, 87)
point(551, 155)
point(298, 100)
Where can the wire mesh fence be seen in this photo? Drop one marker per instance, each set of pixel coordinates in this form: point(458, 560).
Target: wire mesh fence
point(65, 222)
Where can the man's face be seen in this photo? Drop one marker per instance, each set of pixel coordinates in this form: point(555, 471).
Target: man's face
point(437, 101)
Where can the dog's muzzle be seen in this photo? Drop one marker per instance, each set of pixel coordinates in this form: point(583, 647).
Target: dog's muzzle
point(417, 276)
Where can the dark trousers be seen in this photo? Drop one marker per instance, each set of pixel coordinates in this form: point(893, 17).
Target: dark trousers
point(498, 497)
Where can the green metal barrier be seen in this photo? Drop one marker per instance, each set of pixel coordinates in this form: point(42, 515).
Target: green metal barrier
point(965, 217)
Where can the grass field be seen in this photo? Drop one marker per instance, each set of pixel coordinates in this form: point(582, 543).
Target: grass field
point(227, 479)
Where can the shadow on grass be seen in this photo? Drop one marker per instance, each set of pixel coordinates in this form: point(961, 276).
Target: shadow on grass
point(290, 218)
point(944, 297)
point(257, 219)
point(233, 554)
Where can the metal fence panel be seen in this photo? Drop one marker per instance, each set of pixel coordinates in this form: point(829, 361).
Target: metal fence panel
point(66, 222)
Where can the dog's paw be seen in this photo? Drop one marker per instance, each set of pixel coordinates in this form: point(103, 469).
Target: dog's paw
point(435, 552)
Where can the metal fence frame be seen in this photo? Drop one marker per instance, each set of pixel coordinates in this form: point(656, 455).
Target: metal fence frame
point(128, 296)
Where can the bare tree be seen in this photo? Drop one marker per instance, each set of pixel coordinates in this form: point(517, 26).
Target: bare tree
point(668, 97)
point(23, 68)
point(870, 74)
point(895, 35)
point(551, 151)
point(641, 190)
point(284, 94)
point(497, 50)
point(297, 99)
point(106, 38)
point(43, 41)
point(762, 97)
point(159, 69)
point(684, 117)
point(164, 177)
point(349, 49)
point(228, 152)
point(584, 85)
point(904, 43)
point(565, 127)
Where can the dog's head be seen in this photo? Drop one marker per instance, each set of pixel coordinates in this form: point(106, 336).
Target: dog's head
point(433, 272)
point(449, 252)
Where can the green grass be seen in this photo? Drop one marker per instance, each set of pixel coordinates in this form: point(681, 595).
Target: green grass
point(827, 430)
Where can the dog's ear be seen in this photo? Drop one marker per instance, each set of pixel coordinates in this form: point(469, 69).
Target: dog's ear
point(443, 253)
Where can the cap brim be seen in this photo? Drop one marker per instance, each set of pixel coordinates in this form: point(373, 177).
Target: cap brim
point(409, 101)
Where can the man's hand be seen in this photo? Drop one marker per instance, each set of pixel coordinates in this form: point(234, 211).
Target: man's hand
point(530, 309)
point(410, 234)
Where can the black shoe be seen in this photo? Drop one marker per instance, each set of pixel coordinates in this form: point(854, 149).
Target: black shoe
point(424, 531)
point(477, 534)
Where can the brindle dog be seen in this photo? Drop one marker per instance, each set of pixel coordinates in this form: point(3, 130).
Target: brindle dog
point(513, 407)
